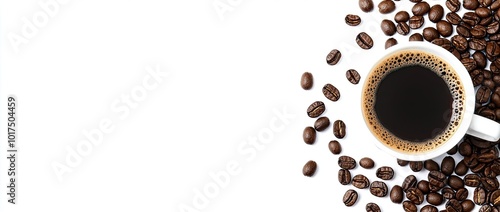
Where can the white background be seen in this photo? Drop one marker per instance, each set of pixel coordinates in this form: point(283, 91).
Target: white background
point(230, 75)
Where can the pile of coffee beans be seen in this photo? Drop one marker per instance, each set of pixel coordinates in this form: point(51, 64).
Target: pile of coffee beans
point(473, 38)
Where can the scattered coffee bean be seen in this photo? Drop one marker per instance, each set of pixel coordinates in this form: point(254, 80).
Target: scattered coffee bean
point(434, 198)
point(469, 63)
point(461, 194)
point(408, 206)
point(335, 147)
point(344, 176)
point(421, 8)
point(463, 30)
point(470, 4)
point(453, 18)
point(416, 166)
point(495, 197)
point(321, 123)
point(385, 173)
point(455, 182)
point(309, 168)
point(470, 18)
point(423, 186)
point(378, 188)
point(364, 40)
point(467, 205)
point(436, 13)
point(360, 181)
point(415, 195)
point(448, 193)
point(306, 81)
point(454, 205)
point(350, 197)
point(416, 37)
point(396, 195)
point(477, 44)
point(333, 57)
point(390, 42)
point(448, 165)
point(428, 208)
point(388, 27)
point(403, 28)
point(444, 28)
point(453, 150)
point(495, 5)
point(366, 5)
point(416, 22)
point(331, 92)
point(372, 207)
point(480, 196)
point(480, 59)
point(385, 7)
point(409, 182)
point(472, 180)
point(309, 135)
point(493, 28)
point(486, 208)
point(366, 163)
point(346, 162)
point(453, 5)
point(352, 20)
point(483, 12)
point(436, 180)
point(483, 94)
point(339, 129)
point(353, 76)
point(430, 34)
point(489, 184)
point(478, 31)
point(402, 162)
point(431, 165)
point(401, 16)
point(316, 109)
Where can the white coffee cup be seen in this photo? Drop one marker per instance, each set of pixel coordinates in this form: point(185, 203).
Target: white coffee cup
point(469, 123)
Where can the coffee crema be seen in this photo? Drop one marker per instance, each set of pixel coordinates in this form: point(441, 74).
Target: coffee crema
point(413, 101)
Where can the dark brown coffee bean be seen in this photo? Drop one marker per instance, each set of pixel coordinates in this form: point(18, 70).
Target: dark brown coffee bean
point(402, 162)
point(390, 42)
point(421, 8)
point(386, 6)
point(496, 80)
point(485, 3)
point(495, 5)
point(428, 208)
point(487, 155)
point(453, 18)
point(472, 180)
point(364, 41)
point(331, 92)
point(463, 30)
point(434, 198)
point(454, 205)
point(460, 43)
point(486, 21)
point(469, 63)
point(378, 188)
point(366, 5)
point(471, 18)
point(477, 77)
point(416, 166)
point(477, 44)
point(366, 163)
point(352, 20)
point(490, 184)
point(416, 37)
point(388, 27)
point(495, 98)
point(461, 169)
point(408, 206)
point(467, 205)
point(309, 135)
point(339, 129)
point(416, 22)
point(480, 196)
point(488, 172)
point(492, 49)
point(409, 182)
point(316, 109)
point(471, 160)
point(385, 173)
point(489, 84)
point(403, 28)
point(483, 12)
point(360, 181)
point(344, 176)
point(430, 34)
point(436, 180)
point(353, 76)
point(335, 147)
point(396, 195)
point(486, 208)
point(436, 13)
point(372, 207)
point(465, 149)
point(444, 28)
point(455, 182)
point(306, 81)
point(492, 28)
point(350, 197)
point(483, 94)
point(490, 114)
point(415, 195)
point(447, 165)
point(346, 162)
point(470, 4)
point(453, 5)
point(423, 186)
point(333, 57)
point(431, 165)
point(401, 16)
point(453, 150)
point(495, 197)
point(480, 59)
point(321, 123)
point(478, 31)
point(448, 193)
point(462, 194)
point(309, 168)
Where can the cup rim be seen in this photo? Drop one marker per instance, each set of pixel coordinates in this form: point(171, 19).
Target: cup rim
point(469, 102)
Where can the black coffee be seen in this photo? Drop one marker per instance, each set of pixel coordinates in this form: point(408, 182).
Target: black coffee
point(413, 103)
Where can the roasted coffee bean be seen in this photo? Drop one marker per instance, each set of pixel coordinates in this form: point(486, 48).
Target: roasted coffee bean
point(388, 27)
point(366, 5)
point(453, 150)
point(486, 21)
point(416, 166)
point(423, 186)
point(490, 114)
point(390, 42)
point(469, 63)
point(331, 92)
point(436, 13)
point(472, 180)
point(378, 188)
point(453, 18)
point(485, 3)
point(454, 205)
point(309, 168)
point(401, 16)
point(471, 160)
point(339, 129)
point(408, 206)
point(471, 18)
point(366, 163)
point(453, 5)
point(488, 172)
point(402, 162)
point(430, 34)
point(385, 173)
point(463, 30)
point(415, 195)
point(495, 197)
point(455, 182)
point(416, 37)
point(477, 77)
point(448, 193)
point(352, 76)
point(486, 208)
point(409, 182)
point(372, 207)
point(436, 180)
point(467, 205)
point(483, 94)
point(447, 165)
point(492, 49)
point(490, 184)
point(495, 5)
point(495, 98)
point(480, 59)
point(496, 80)
point(321, 123)
point(352, 20)
point(434, 198)
point(333, 57)
point(335, 147)
point(344, 176)
point(396, 195)
point(477, 44)
point(483, 12)
point(360, 181)
point(489, 84)
point(444, 28)
point(421, 8)
point(316, 109)
point(350, 197)
point(431, 165)
point(470, 4)
point(346, 162)
point(306, 81)
point(460, 43)
point(478, 31)
point(465, 149)
point(480, 196)
point(386, 6)
point(487, 155)
point(364, 40)
point(461, 194)
point(403, 28)
point(456, 53)
point(416, 22)
point(309, 135)
point(428, 208)
point(461, 169)
point(492, 28)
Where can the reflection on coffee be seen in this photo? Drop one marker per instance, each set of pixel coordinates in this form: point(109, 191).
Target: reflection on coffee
point(413, 101)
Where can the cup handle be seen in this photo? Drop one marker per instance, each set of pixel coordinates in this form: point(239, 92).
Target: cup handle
point(484, 128)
